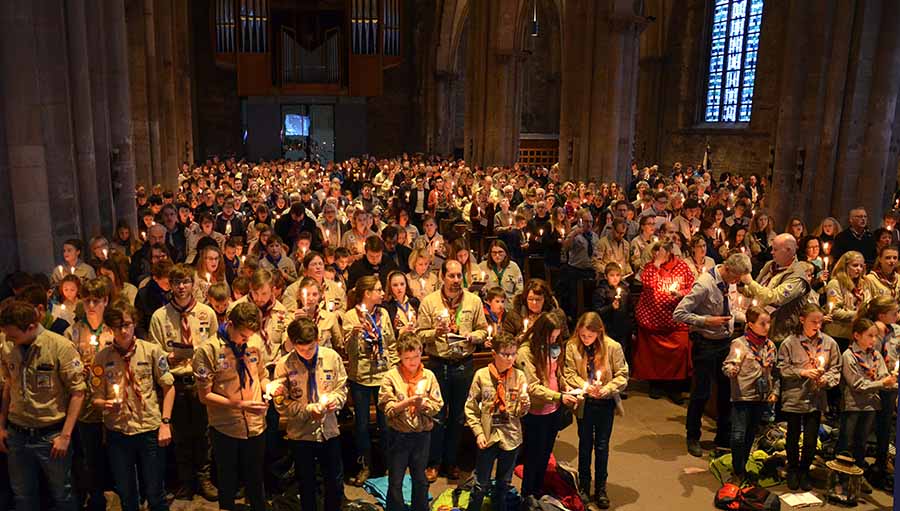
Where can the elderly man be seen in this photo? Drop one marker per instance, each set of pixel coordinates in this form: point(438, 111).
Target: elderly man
point(707, 311)
point(780, 287)
point(857, 237)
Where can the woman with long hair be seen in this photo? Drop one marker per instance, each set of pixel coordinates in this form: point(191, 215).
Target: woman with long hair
point(540, 357)
point(116, 273)
point(696, 259)
point(844, 296)
point(124, 240)
point(501, 271)
point(460, 251)
point(210, 268)
point(310, 305)
point(826, 231)
point(796, 228)
point(883, 280)
point(401, 307)
point(764, 233)
point(535, 299)
point(595, 363)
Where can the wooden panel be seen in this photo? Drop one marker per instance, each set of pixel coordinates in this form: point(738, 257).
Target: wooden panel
point(311, 89)
point(539, 151)
point(366, 75)
point(254, 74)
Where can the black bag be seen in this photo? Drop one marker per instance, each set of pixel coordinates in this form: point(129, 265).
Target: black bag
point(566, 417)
point(756, 498)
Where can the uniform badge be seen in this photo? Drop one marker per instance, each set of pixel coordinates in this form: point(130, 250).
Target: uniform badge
point(163, 364)
point(97, 371)
point(43, 381)
point(76, 364)
point(202, 372)
point(96, 381)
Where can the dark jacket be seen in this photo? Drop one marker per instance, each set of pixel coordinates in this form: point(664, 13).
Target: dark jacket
point(289, 231)
point(847, 240)
point(363, 267)
point(618, 323)
point(400, 257)
point(148, 299)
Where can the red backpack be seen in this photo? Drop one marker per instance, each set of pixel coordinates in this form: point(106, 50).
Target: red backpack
point(751, 498)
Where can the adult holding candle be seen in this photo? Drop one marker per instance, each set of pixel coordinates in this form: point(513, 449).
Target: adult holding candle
point(451, 323)
point(409, 397)
point(231, 374)
point(210, 268)
point(311, 388)
point(596, 363)
point(527, 306)
point(314, 268)
point(707, 310)
point(809, 363)
point(372, 351)
point(72, 263)
point(137, 424)
point(38, 414)
point(400, 306)
point(327, 322)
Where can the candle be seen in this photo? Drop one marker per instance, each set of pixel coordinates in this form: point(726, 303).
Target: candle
point(618, 293)
point(208, 278)
point(597, 377)
point(116, 391)
point(143, 235)
point(825, 261)
point(363, 308)
point(897, 368)
point(726, 244)
point(737, 353)
point(243, 258)
point(327, 234)
point(422, 284)
point(411, 314)
point(323, 399)
point(271, 387)
point(830, 307)
point(826, 247)
point(420, 388)
point(62, 307)
point(563, 232)
point(304, 296)
point(94, 341)
point(540, 232)
point(105, 253)
point(718, 231)
point(330, 306)
point(525, 325)
point(821, 361)
point(72, 270)
point(754, 302)
point(483, 276)
point(490, 331)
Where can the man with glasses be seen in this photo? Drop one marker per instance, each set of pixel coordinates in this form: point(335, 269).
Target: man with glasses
point(857, 237)
point(179, 327)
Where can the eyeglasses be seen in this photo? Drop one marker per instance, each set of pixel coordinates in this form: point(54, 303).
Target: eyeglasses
point(511, 354)
point(123, 326)
point(184, 282)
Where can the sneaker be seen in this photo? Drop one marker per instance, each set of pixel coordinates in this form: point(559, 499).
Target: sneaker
point(655, 392)
point(600, 498)
point(676, 397)
point(805, 482)
point(431, 474)
point(694, 449)
point(793, 479)
point(208, 491)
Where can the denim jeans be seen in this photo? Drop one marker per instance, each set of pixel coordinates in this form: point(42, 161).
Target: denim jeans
point(89, 465)
point(594, 430)
point(190, 436)
point(309, 455)
point(408, 450)
point(240, 461)
point(708, 357)
point(884, 421)
point(454, 380)
point(126, 454)
point(809, 424)
point(29, 455)
point(854, 431)
point(364, 396)
point(539, 434)
point(745, 418)
point(506, 461)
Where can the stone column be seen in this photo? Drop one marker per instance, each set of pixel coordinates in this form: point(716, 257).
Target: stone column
point(118, 84)
point(97, 54)
point(152, 91)
point(168, 130)
point(139, 106)
point(183, 82)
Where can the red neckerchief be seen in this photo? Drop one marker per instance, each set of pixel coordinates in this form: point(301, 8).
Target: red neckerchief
point(499, 404)
point(185, 313)
point(412, 381)
point(759, 347)
point(130, 380)
point(812, 358)
point(868, 363)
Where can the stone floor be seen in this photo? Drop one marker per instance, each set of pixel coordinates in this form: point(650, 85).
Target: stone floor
point(649, 467)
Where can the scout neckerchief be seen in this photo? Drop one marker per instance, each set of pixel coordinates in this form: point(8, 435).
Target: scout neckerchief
point(890, 283)
point(372, 330)
point(497, 274)
point(312, 387)
point(239, 351)
point(495, 319)
point(867, 362)
point(499, 405)
point(591, 352)
point(723, 288)
point(130, 380)
point(453, 305)
point(773, 272)
point(185, 313)
point(266, 311)
point(759, 347)
point(804, 343)
point(273, 260)
point(412, 381)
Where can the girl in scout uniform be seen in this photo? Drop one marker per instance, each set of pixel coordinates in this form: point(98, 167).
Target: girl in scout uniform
point(422, 281)
point(409, 396)
point(330, 291)
point(401, 307)
point(596, 364)
point(210, 270)
point(845, 295)
point(231, 375)
point(310, 387)
point(72, 263)
point(369, 337)
point(883, 279)
point(432, 242)
point(498, 398)
point(90, 335)
point(501, 271)
point(124, 380)
point(313, 308)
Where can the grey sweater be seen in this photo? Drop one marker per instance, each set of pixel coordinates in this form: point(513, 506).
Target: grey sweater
point(799, 394)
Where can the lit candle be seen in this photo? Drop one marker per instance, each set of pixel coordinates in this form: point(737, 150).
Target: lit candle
point(726, 244)
point(525, 325)
point(115, 391)
point(327, 234)
point(540, 232)
point(825, 261)
point(598, 376)
point(826, 247)
point(718, 231)
point(208, 278)
point(420, 388)
point(411, 314)
point(60, 270)
point(105, 253)
point(72, 270)
point(821, 361)
point(323, 399)
point(330, 306)
point(271, 387)
point(618, 293)
point(830, 307)
point(490, 331)
point(483, 276)
point(563, 232)
point(363, 308)
point(143, 235)
point(754, 302)
point(243, 258)
point(94, 341)
point(422, 284)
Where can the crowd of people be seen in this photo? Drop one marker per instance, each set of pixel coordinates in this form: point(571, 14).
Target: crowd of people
point(257, 309)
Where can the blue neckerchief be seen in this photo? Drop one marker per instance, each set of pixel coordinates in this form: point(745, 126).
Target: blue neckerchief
point(312, 388)
point(378, 337)
point(239, 351)
point(273, 261)
point(590, 247)
point(723, 287)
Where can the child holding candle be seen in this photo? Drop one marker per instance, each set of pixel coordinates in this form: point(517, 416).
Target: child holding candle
point(612, 300)
point(597, 364)
point(498, 398)
point(864, 375)
point(310, 306)
point(750, 365)
point(809, 363)
point(409, 397)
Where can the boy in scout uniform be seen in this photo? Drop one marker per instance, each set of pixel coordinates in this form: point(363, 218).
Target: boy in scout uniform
point(180, 327)
point(310, 388)
point(409, 396)
point(330, 333)
point(124, 379)
point(451, 323)
point(90, 335)
point(42, 396)
point(231, 374)
point(497, 400)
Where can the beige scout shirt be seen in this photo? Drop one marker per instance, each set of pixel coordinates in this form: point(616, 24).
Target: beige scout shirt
point(469, 319)
point(859, 389)
point(799, 394)
point(41, 380)
point(614, 375)
point(510, 279)
point(843, 311)
point(80, 334)
point(421, 286)
point(215, 367)
point(394, 389)
point(82, 270)
point(480, 416)
point(273, 331)
point(292, 396)
point(873, 287)
point(165, 330)
point(285, 266)
point(334, 293)
point(368, 366)
point(150, 367)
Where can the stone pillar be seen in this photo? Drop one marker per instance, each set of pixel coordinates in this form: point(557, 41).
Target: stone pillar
point(165, 91)
point(152, 91)
point(183, 84)
point(139, 106)
point(123, 171)
point(97, 54)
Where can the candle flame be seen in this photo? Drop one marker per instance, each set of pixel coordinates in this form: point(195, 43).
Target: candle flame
point(116, 390)
point(323, 399)
point(94, 340)
point(821, 360)
point(420, 388)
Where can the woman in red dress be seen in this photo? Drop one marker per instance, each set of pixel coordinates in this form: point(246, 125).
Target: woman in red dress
point(663, 352)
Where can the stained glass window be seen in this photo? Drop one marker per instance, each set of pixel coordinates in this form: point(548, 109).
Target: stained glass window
point(732, 60)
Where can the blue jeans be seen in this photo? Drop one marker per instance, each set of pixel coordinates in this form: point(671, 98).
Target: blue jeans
point(506, 461)
point(364, 396)
point(745, 418)
point(89, 465)
point(408, 450)
point(854, 431)
point(29, 455)
point(126, 454)
point(308, 456)
point(240, 461)
point(454, 380)
point(594, 430)
point(539, 434)
point(708, 357)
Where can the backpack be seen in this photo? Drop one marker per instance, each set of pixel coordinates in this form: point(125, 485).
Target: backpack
point(751, 498)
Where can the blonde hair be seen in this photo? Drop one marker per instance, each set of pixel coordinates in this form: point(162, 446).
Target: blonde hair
point(591, 321)
point(840, 270)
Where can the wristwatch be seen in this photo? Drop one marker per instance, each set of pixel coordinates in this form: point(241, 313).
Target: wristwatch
point(166, 420)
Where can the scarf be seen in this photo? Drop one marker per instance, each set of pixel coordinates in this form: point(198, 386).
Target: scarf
point(185, 313)
point(130, 380)
point(266, 311)
point(496, 319)
point(312, 387)
point(273, 260)
point(867, 362)
point(499, 405)
point(889, 283)
point(412, 382)
point(452, 305)
point(759, 347)
point(372, 330)
point(812, 358)
point(239, 351)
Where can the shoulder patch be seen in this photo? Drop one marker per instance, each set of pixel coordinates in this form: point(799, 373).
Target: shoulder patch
point(163, 364)
point(76, 364)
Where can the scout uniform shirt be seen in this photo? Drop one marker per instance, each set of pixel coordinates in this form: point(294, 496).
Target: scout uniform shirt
point(509, 279)
point(394, 389)
point(875, 284)
point(862, 372)
point(613, 376)
point(89, 342)
point(369, 359)
point(165, 330)
point(293, 394)
point(755, 380)
point(780, 292)
point(81, 270)
point(468, 317)
point(797, 352)
point(334, 293)
point(484, 418)
point(421, 286)
point(40, 379)
point(148, 366)
point(216, 367)
point(283, 265)
point(272, 330)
